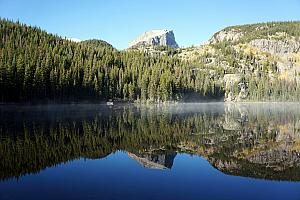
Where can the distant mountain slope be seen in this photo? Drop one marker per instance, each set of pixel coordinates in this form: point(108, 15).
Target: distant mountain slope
point(253, 62)
point(265, 30)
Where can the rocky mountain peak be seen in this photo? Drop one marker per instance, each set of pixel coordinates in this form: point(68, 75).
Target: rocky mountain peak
point(155, 38)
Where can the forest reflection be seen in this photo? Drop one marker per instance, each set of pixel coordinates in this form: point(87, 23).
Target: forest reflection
point(251, 140)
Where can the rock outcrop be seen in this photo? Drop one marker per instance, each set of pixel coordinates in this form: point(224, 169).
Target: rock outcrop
point(155, 38)
point(231, 35)
point(235, 90)
point(279, 47)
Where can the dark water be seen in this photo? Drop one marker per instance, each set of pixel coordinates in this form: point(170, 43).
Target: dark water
point(187, 151)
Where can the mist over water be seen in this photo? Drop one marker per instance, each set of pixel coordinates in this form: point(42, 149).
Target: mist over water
point(180, 151)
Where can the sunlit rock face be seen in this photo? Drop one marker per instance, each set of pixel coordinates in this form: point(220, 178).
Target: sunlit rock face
point(229, 35)
point(279, 47)
point(154, 159)
point(155, 38)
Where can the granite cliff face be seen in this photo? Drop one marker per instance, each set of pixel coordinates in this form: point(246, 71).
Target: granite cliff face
point(155, 38)
point(279, 44)
point(279, 47)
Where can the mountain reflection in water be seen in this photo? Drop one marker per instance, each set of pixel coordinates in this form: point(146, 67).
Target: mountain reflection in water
point(155, 160)
point(250, 140)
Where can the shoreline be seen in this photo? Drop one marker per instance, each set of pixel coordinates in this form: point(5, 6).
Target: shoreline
point(119, 103)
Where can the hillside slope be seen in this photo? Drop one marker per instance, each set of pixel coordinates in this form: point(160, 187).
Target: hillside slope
point(254, 62)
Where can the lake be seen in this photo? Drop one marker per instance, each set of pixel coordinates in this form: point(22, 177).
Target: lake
point(185, 151)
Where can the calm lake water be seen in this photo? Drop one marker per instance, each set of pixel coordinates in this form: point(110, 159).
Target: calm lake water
point(187, 151)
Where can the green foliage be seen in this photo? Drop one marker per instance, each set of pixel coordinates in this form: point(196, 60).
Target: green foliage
point(94, 43)
point(264, 89)
point(36, 65)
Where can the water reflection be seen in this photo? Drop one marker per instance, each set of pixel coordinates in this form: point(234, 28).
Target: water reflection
point(157, 159)
point(250, 140)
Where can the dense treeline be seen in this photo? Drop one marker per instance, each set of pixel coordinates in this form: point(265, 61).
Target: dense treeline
point(37, 65)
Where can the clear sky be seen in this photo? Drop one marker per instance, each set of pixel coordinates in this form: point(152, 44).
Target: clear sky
point(120, 21)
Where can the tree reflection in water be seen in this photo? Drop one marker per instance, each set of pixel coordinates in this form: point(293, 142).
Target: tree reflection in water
point(251, 140)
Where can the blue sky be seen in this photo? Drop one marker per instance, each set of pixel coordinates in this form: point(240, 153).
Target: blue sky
point(120, 21)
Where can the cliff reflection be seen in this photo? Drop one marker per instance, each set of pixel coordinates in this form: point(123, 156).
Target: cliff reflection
point(253, 140)
point(157, 159)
